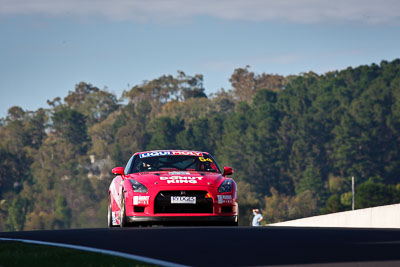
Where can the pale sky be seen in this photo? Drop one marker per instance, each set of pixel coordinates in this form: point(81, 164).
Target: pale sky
point(48, 46)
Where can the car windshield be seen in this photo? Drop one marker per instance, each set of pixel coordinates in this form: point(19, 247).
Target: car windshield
point(175, 163)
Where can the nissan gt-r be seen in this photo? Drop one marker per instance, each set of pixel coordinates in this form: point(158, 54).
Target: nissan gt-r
point(172, 187)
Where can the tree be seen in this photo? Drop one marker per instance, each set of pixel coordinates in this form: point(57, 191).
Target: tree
point(166, 88)
point(280, 207)
point(333, 204)
point(9, 170)
point(312, 181)
point(245, 83)
point(93, 103)
point(70, 124)
point(129, 131)
point(63, 212)
point(16, 214)
point(164, 133)
point(102, 137)
point(293, 141)
point(371, 194)
point(248, 200)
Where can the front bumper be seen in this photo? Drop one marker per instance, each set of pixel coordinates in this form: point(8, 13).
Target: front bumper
point(150, 206)
point(183, 219)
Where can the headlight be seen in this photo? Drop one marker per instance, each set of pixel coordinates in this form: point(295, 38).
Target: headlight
point(225, 187)
point(138, 187)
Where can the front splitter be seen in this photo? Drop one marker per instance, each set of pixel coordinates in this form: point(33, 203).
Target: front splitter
point(155, 219)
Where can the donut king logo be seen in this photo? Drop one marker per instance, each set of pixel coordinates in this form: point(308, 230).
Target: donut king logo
point(167, 153)
point(224, 199)
point(141, 200)
point(181, 179)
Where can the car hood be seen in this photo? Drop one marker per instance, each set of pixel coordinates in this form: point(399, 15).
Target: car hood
point(176, 178)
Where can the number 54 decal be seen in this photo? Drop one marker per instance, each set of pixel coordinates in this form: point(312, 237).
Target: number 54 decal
point(204, 160)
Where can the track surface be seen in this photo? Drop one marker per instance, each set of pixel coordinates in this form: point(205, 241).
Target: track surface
point(235, 246)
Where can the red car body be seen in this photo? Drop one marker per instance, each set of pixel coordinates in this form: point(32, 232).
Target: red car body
point(172, 195)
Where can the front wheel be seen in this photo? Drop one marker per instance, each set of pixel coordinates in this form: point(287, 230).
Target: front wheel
point(234, 224)
point(228, 224)
point(122, 218)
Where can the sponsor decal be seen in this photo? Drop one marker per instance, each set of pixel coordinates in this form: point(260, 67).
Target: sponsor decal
point(179, 173)
point(166, 153)
point(187, 153)
point(205, 160)
point(181, 179)
point(141, 200)
point(115, 195)
point(183, 200)
point(223, 199)
point(155, 154)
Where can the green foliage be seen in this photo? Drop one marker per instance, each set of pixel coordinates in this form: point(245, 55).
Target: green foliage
point(294, 142)
point(62, 212)
point(165, 89)
point(164, 132)
point(92, 102)
point(71, 125)
point(16, 214)
point(129, 131)
point(34, 255)
point(248, 200)
point(337, 184)
point(246, 83)
point(371, 194)
point(280, 207)
point(346, 199)
point(333, 204)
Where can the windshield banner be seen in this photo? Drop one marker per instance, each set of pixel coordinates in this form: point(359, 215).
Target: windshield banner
point(167, 153)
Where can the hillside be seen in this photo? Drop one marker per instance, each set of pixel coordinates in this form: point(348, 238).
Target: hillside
point(294, 143)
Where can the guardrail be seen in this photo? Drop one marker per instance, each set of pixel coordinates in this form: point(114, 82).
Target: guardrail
point(377, 217)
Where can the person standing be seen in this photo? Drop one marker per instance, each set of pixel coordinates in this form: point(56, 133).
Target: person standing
point(257, 218)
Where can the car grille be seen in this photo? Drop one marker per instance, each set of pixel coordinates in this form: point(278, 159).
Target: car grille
point(162, 202)
point(227, 209)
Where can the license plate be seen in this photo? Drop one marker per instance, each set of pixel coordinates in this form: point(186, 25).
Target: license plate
point(183, 200)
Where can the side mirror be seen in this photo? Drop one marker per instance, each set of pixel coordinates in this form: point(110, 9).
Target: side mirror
point(118, 171)
point(227, 171)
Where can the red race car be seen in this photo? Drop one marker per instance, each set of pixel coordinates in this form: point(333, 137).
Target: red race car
point(172, 187)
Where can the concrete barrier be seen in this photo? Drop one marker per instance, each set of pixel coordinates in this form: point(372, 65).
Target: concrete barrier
point(378, 217)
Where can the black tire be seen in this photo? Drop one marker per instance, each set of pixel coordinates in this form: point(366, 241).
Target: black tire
point(109, 212)
point(122, 218)
point(228, 224)
point(235, 224)
point(237, 221)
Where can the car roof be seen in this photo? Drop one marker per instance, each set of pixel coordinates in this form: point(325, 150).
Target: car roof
point(172, 150)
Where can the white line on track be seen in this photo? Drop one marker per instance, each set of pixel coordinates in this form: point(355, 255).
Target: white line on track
point(103, 251)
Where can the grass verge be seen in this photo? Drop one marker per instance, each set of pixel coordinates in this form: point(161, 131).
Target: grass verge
point(23, 254)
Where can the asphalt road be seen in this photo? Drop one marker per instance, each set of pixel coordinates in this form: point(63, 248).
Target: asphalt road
point(237, 246)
